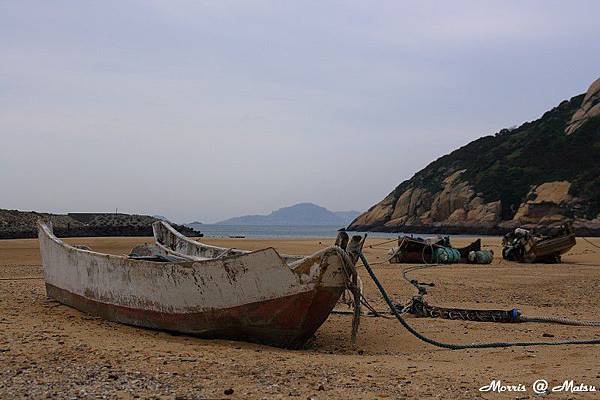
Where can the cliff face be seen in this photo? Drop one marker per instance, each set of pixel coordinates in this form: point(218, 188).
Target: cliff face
point(544, 172)
point(590, 108)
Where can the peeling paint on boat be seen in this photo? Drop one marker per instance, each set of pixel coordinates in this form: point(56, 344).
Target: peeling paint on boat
point(253, 296)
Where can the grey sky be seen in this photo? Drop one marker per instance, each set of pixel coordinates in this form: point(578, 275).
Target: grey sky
point(202, 110)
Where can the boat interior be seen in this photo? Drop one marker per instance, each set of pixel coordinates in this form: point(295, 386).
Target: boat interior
point(171, 243)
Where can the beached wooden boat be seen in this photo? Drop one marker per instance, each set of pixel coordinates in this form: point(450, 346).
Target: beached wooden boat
point(551, 249)
point(524, 246)
point(433, 250)
point(255, 296)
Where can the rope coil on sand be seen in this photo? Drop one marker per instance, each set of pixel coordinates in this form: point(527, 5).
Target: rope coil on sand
point(464, 313)
point(457, 346)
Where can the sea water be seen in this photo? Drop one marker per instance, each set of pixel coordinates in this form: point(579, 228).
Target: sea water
point(278, 231)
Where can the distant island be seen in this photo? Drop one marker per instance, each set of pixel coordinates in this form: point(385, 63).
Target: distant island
point(299, 214)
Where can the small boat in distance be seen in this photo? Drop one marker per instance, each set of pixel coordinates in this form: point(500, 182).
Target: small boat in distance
point(525, 246)
point(432, 250)
point(256, 296)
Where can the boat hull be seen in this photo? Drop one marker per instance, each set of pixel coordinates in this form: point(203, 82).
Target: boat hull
point(283, 322)
point(550, 250)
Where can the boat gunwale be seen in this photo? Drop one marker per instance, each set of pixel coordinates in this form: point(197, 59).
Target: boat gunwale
point(187, 263)
point(212, 262)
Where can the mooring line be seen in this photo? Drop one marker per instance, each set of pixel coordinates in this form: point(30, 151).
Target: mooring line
point(456, 346)
point(382, 243)
point(517, 317)
point(590, 242)
point(20, 278)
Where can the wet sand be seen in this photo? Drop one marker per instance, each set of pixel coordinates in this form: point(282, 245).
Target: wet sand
point(49, 350)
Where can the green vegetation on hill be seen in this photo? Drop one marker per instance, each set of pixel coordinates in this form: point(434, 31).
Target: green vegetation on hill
point(505, 166)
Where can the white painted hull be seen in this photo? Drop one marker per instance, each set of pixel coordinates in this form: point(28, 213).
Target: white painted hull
point(253, 296)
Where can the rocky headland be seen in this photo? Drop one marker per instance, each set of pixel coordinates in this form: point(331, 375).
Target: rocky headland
point(543, 173)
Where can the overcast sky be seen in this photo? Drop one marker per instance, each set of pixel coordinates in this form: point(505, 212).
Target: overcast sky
point(203, 110)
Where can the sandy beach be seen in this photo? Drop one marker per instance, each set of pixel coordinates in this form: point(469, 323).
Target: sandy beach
point(48, 350)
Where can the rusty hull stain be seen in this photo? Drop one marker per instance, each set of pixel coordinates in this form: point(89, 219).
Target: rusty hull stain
point(284, 322)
